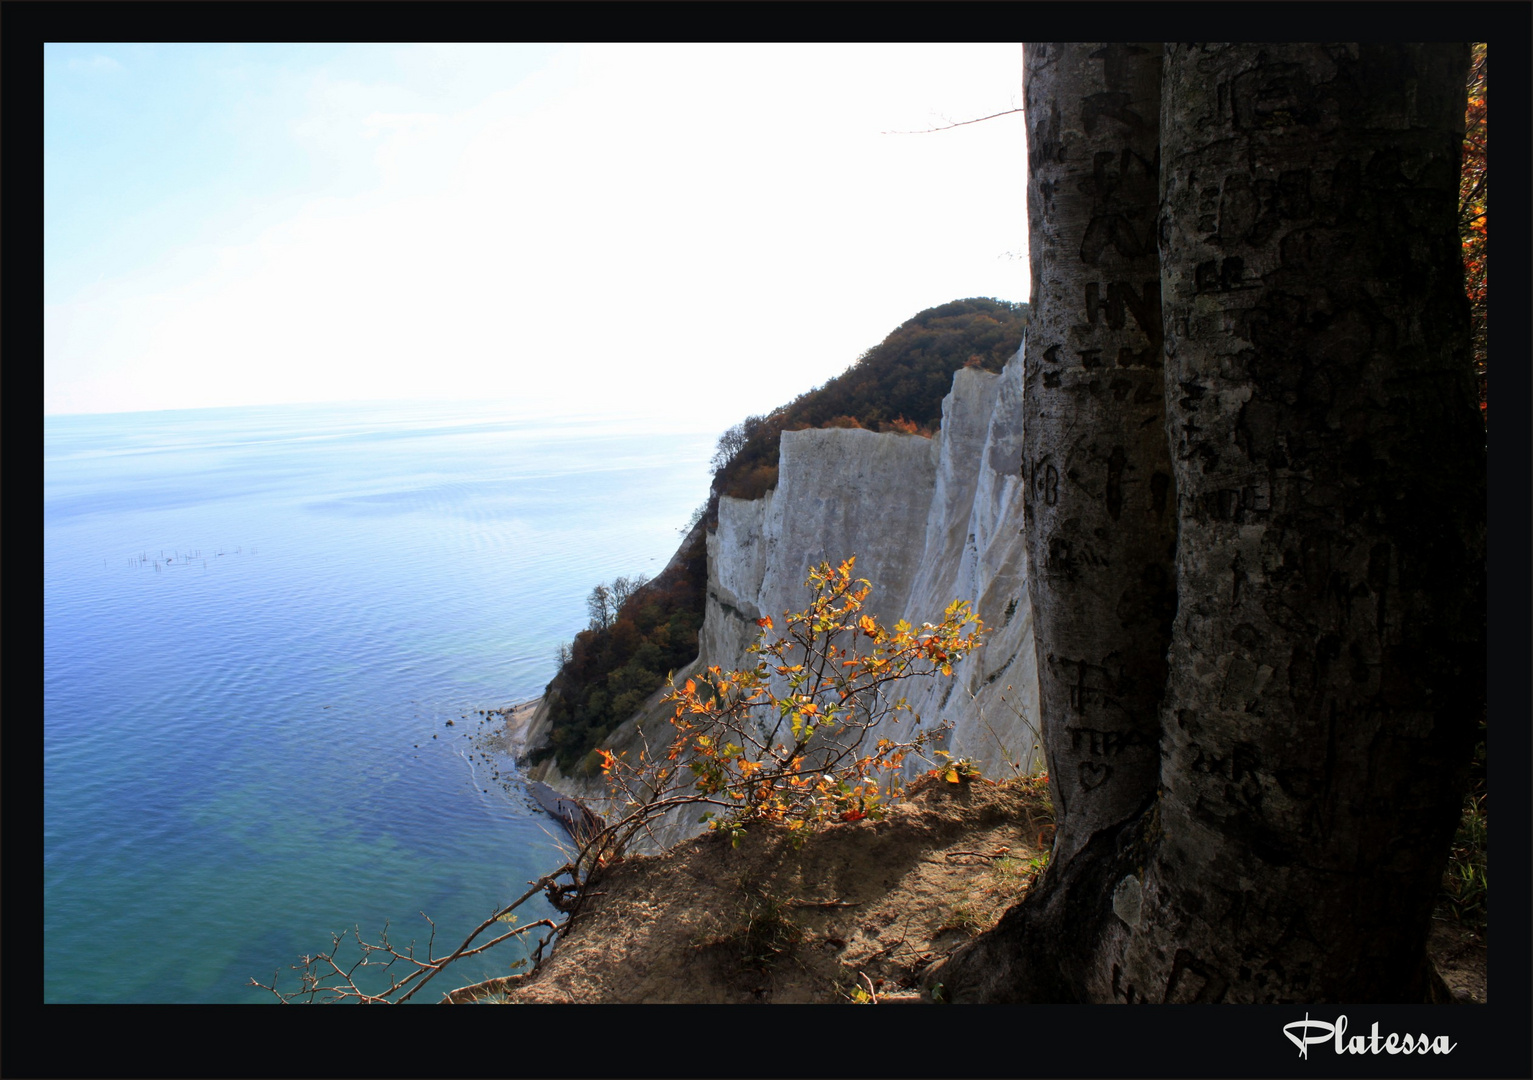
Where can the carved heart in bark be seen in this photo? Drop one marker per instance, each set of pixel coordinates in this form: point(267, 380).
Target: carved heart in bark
point(1094, 775)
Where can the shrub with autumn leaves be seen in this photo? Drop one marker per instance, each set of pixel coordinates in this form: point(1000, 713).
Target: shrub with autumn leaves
point(796, 740)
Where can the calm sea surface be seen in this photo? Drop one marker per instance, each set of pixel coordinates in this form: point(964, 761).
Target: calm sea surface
point(256, 626)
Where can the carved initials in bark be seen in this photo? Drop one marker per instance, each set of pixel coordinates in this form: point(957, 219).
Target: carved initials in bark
point(1044, 484)
point(1099, 743)
point(1090, 685)
point(1096, 436)
point(1122, 189)
point(1144, 307)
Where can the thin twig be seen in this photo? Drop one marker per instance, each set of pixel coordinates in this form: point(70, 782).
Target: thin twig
point(826, 903)
point(961, 123)
point(872, 993)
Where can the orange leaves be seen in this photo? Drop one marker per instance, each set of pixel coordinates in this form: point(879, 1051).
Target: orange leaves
point(729, 742)
point(1473, 213)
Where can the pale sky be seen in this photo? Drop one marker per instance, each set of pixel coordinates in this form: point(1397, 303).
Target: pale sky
point(696, 229)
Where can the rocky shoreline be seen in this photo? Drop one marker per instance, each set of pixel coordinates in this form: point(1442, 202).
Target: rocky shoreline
point(578, 819)
point(518, 718)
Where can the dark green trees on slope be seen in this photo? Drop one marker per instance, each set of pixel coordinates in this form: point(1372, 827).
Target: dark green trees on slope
point(618, 661)
point(896, 386)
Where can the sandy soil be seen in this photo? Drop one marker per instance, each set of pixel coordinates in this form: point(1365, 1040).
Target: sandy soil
point(866, 905)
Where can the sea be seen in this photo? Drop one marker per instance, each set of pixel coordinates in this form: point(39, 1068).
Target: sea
point(272, 639)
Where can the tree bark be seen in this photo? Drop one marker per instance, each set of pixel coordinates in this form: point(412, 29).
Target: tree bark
point(1327, 659)
point(1327, 666)
point(1098, 507)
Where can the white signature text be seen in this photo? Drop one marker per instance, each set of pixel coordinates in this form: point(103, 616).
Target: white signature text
point(1299, 1033)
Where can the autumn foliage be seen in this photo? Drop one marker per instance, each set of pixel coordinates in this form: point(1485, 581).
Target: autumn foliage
point(1473, 192)
point(796, 740)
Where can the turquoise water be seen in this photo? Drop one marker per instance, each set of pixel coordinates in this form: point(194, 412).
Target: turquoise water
point(256, 625)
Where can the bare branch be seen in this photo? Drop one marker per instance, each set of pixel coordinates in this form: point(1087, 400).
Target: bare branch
point(872, 993)
point(949, 127)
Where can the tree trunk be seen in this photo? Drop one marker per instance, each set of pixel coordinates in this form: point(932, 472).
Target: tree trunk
point(1327, 666)
point(1327, 659)
point(1101, 528)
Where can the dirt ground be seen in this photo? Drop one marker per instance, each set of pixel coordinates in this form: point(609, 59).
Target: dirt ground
point(864, 905)
point(1459, 954)
point(855, 914)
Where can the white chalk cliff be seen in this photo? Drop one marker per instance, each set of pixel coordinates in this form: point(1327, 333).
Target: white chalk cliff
point(929, 521)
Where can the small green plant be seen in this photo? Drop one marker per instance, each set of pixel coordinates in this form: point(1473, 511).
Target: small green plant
point(857, 995)
point(1012, 874)
point(761, 933)
point(1466, 888)
point(1033, 869)
point(959, 917)
point(1465, 894)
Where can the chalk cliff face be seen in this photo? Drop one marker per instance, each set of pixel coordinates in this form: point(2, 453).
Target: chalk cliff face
point(930, 521)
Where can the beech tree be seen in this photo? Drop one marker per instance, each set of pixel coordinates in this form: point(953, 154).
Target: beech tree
point(1256, 799)
point(1101, 527)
